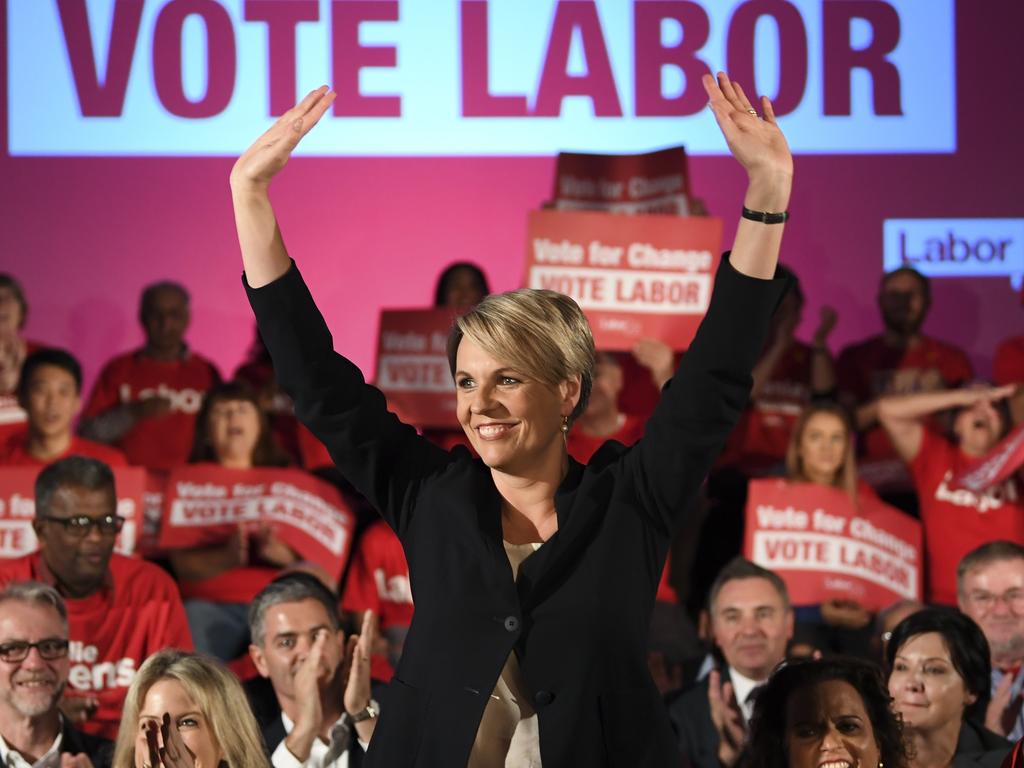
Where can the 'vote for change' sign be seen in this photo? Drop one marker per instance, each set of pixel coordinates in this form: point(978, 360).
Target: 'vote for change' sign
point(18, 509)
point(825, 547)
point(633, 276)
point(412, 366)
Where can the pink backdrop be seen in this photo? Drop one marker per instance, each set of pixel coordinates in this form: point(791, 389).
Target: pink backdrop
point(85, 234)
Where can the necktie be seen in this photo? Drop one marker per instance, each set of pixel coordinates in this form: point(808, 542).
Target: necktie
point(341, 738)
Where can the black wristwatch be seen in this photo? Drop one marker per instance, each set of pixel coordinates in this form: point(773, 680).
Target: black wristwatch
point(369, 713)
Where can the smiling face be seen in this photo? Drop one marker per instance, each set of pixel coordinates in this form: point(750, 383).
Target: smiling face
point(827, 726)
point(823, 446)
point(51, 400)
point(927, 690)
point(992, 594)
point(751, 624)
point(169, 696)
point(33, 686)
point(513, 421)
point(233, 429)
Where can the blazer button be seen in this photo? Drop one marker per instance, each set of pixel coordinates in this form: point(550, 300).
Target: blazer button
point(511, 623)
point(543, 698)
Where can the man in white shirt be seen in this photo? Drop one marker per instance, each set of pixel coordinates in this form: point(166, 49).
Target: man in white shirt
point(321, 682)
point(34, 669)
point(751, 623)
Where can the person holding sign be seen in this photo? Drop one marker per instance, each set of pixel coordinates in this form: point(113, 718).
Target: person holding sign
point(219, 581)
point(515, 557)
point(955, 520)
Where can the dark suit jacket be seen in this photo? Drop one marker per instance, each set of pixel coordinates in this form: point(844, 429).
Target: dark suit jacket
point(579, 615)
point(696, 737)
point(978, 747)
point(100, 751)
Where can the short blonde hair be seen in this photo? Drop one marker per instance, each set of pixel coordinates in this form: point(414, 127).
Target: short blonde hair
point(218, 695)
point(542, 333)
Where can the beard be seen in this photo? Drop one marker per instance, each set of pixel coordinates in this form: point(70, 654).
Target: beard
point(1010, 647)
point(32, 705)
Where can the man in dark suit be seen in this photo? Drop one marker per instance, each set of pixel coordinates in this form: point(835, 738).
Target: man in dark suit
point(34, 669)
point(324, 715)
point(751, 623)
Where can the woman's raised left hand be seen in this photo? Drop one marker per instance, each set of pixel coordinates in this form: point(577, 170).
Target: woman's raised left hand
point(756, 142)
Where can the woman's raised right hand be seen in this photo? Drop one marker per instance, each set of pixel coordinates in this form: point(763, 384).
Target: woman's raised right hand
point(270, 152)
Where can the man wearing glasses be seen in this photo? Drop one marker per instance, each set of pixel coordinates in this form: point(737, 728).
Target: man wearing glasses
point(990, 583)
point(120, 609)
point(33, 672)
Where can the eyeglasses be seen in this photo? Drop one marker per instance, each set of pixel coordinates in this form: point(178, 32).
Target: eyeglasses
point(80, 525)
point(986, 601)
point(49, 649)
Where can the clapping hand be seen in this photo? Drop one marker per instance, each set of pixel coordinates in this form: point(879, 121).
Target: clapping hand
point(164, 745)
point(726, 716)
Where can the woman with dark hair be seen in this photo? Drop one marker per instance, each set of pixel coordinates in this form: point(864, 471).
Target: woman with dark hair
point(218, 581)
point(460, 286)
point(939, 678)
point(14, 348)
point(833, 712)
point(955, 520)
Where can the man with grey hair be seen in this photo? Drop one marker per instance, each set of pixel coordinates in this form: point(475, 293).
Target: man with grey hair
point(990, 589)
point(751, 624)
point(321, 682)
point(34, 668)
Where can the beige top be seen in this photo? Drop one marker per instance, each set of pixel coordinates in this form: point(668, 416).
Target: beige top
point(509, 734)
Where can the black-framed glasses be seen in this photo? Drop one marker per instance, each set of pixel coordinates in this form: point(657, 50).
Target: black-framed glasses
point(17, 650)
point(80, 525)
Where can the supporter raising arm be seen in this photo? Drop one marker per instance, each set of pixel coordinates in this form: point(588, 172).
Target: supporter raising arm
point(508, 551)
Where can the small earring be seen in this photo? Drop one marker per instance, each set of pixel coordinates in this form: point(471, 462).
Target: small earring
point(881, 764)
point(565, 425)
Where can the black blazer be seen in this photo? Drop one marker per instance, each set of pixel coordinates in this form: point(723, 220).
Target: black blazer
point(696, 736)
point(978, 747)
point(579, 614)
point(100, 751)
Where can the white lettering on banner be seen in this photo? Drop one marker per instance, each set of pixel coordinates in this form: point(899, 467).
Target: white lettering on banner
point(409, 341)
point(21, 506)
point(663, 293)
point(992, 498)
point(836, 554)
point(414, 373)
point(531, 77)
point(103, 676)
point(395, 589)
point(200, 512)
point(17, 538)
point(190, 490)
point(186, 400)
point(956, 247)
point(790, 518)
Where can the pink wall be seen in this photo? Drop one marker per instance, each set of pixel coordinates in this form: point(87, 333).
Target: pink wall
point(84, 234)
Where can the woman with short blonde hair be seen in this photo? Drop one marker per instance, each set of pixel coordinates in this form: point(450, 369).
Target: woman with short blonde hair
point(225, 729)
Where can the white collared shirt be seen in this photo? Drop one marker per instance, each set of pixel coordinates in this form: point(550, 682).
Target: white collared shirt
point(11, 758)
point(283, 758)
point(742, 687)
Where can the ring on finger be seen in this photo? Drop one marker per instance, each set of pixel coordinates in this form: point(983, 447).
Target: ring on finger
point(753, 112)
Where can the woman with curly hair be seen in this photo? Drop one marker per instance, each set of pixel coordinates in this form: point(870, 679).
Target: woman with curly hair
point(832, 713)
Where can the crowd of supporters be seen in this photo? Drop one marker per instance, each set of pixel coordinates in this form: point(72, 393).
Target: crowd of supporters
point(95, 646)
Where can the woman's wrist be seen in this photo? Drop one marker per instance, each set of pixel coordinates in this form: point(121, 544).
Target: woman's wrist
point(768, 191)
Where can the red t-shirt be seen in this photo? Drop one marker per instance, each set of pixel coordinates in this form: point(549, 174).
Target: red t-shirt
point(160, 442)
point(1008, 366)
point(15, 452)
point(135, 614)
point(378, 581)
point(870, 369)
point(956, 520)
point(582, 447)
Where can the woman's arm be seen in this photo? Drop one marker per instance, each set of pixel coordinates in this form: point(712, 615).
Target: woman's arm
point(263, 251)
point(902, 416)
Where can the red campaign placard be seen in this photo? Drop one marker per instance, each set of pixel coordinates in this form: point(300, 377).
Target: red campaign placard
point(412, 366)
point(204, 503)
point(654, 182)
point(995, 466)
point(18, 509)
point(633, 276)
point(824, 547)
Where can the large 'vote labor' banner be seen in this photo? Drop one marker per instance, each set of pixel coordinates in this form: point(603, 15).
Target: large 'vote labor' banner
point(995, 466)
point(412, 366)
point(825, 547)
point(18, 509)
point(633, 276)
point(654, 182)
point(204, 504)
